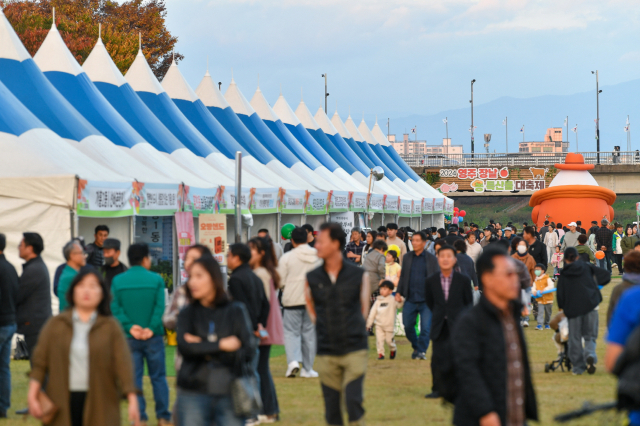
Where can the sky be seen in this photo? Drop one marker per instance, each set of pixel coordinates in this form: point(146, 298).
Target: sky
point(398, 58)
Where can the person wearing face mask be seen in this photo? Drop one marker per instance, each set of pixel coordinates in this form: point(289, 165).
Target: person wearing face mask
point(520, 251)
point(545, 301)
point(112, 265)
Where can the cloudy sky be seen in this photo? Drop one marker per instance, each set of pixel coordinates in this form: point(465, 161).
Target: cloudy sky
point(396, 58)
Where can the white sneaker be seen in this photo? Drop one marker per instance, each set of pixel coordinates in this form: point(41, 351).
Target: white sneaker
point(252, 422)
point(525, 323)
point(311, 374)
point(293, 369)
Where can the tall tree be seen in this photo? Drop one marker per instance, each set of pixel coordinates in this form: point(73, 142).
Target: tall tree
point(77, 21)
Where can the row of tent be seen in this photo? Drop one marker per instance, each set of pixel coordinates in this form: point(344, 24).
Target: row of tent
point(59, 119)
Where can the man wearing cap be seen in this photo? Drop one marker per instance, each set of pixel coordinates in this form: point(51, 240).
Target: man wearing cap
point(508, 234)
point(392, 230)
point(453, 235)
point(570, 238)
point(112, 265)
point(353, 251)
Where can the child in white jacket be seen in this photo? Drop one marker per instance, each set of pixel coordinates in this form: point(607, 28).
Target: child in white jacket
point(383, 315)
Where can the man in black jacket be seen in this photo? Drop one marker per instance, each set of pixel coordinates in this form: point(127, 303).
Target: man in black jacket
point(33, 303)
point(537, 249)
point(337, 296)
point(465, 264)
point(417, 266)
point(578, 296)
point(245, 286)
point(494, 384)
point(453, 235)
point(604, 235)
point(448, 293)
point(8, 292)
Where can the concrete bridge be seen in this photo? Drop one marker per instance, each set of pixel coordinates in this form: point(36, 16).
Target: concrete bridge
point(502, 180)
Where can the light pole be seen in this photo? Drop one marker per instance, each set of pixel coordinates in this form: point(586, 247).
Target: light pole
point(471, 101)
point(326, 94)
point(598, 91)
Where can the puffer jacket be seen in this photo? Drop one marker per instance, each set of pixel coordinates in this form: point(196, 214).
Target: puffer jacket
point(293, 268)
point(627, 243)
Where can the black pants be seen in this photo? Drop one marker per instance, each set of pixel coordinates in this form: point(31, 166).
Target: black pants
point(617, 258)
point(76, 402)
point(31, 340)
point(441, 363)
point(607, 257)
point(267, 388)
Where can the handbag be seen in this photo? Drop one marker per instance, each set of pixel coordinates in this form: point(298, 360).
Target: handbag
point(245, 394)
point(21, 352)
point(49, 409)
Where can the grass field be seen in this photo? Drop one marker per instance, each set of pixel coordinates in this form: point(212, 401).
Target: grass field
point(395, 389)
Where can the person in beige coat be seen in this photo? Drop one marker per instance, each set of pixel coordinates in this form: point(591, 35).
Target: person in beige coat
point(383, 315)
point(85, 358)
point(299, 331)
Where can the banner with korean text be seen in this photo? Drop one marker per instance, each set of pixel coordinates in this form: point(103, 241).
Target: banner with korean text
point(316, 203)
point(264, 200)
point(226, 200)
point(105, 199)
point(212, 233)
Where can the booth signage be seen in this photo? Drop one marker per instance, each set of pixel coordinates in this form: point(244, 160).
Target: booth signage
point(213, 234)
point(492, 179)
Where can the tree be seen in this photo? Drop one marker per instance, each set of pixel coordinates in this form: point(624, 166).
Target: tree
point(77, 21)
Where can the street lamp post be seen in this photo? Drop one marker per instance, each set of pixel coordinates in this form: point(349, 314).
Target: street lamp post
point(471, 101)
point(598, 91)
point(326, 94)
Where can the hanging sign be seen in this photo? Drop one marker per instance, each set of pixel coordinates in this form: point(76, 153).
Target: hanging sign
point(316, 203)
point(105, 199)
point(292, 201)
point(358, 201)
point(391, 204)
point(427, 205)
point(213, 234)
point(226, 200)
point(264, 200)
point(406, 208)
point(197, 200)
point(346, 219)
point(376, 203)
point(438, 205)
point(156, 199)
point(417, 208)
point(339, 201)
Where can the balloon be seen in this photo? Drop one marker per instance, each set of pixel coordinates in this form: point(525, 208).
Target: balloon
point(455, 209)
point(395, 248)
point(600, 254)
point(462, 213)
point(455, 220)
point(286, 230)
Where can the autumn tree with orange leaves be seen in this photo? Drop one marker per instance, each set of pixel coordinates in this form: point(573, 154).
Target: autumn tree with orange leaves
point(77, 21)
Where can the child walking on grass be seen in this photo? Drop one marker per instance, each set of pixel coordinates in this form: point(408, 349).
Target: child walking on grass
point(383, 315)
point(545, 302)
point(392, 268)
point(557, 260)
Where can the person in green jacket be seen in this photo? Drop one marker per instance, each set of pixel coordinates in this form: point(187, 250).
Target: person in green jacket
point(76, 259)
point(584, 251)
point(138, 304)
point(628, 241)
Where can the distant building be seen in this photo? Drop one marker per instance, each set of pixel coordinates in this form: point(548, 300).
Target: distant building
point(552, 143)
point(409, 147)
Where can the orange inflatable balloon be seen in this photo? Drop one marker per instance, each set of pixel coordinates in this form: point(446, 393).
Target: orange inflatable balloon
point(600, 254)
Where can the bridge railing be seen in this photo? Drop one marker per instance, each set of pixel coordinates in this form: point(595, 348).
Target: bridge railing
point(519, 159)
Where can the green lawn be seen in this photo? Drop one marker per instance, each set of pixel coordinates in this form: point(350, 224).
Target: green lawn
point(395, 389)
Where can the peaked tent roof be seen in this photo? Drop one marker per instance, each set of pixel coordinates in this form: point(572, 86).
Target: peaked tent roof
point(146, 85)
point(270, 142)
point(197, 113)
point(104, 74)
point(63, 71)
point(25, 80)
point(348, 138)
point(310, 152)
point(29, 149)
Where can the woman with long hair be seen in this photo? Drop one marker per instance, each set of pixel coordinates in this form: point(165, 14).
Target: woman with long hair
point(215, 338)
point(264, 265)
point(84, 357)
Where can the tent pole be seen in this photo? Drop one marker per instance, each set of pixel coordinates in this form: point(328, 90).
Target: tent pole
point(132, 229)
point(238, 206)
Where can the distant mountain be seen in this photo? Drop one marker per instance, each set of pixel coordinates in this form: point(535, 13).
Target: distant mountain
point(536, 114)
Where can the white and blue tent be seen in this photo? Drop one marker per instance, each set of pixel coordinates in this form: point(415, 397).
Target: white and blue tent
point(23, 78)
point(58, 64)
point(385, 186)
point(312, 155)
point(146, 85)
point(268, 140)
point(104, 74)
point(197, 113)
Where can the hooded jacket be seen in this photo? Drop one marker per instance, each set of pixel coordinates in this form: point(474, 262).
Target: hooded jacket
point(578, 292)
point(293, 268)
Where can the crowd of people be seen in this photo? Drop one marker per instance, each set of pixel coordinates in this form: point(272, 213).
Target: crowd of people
point(468, 292)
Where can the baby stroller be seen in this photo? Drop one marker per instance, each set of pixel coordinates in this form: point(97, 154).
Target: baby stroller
point(560, 324)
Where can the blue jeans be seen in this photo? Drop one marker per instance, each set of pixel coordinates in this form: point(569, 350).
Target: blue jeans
point(409, 316)
point(6, 333)
point(199, 409)
point(153, 351)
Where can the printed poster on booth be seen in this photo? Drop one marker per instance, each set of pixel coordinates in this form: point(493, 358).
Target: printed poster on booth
point(213, 234)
